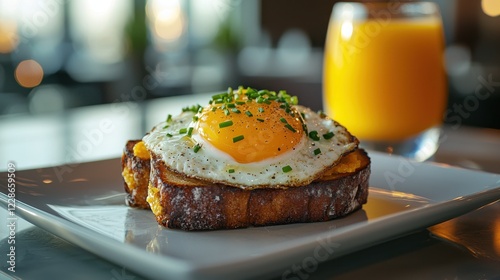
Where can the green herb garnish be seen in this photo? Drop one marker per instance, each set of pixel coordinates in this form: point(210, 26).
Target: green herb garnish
point(328, 135)
point(196, 148)
point(317, 152)
point(194, 108)
point(238, 138)
point(286, 169)
point(314, 135)
point(290, 127)
point(225, 124)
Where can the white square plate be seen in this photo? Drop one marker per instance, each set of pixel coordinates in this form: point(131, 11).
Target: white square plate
point(84, 204)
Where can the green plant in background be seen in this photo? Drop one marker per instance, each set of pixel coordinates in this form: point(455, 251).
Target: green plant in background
point(136, 30)
point(228, 37)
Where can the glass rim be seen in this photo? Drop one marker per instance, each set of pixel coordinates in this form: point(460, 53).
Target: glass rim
point(372, 9)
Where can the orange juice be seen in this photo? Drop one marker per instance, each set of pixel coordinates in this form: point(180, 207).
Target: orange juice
point(385, 80)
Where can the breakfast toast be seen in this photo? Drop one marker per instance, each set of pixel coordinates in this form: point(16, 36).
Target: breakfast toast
point(178, 201)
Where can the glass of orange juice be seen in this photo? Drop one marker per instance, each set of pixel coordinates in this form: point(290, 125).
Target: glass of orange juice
point(384, 76)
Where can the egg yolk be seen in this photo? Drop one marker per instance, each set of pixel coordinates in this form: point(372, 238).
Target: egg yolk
point(252, 131)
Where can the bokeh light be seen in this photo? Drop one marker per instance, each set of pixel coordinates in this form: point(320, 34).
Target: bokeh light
point(491, 7)
point(29, 73)
point(8, 36)
point(166, 19)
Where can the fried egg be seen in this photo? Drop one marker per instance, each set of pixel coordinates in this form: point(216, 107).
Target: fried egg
point(250, 139)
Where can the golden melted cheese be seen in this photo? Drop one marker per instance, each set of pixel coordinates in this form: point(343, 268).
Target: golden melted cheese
point(128, 177)
point(349, 163)
point(154, 200)
point(140, 151)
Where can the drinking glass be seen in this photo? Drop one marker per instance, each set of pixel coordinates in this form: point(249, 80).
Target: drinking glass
point(384, 77)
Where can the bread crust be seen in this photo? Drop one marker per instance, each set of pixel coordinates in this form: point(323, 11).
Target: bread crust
point(192, 204)
point(195, 205)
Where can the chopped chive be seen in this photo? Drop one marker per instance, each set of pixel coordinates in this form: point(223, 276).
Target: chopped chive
point(240, 102)
point(190, 131)
point(229, 90)
point(196, 148)
point(290, 127)
point(303, 115)
point(238, 138)
point(169, 135)
point(195, 118)
point(231, 105)
point(261, 110)
point(226, 112)
point(260, 99)
point(166, 126)
point(317, 152)
point(260, 120)
point(252, 93)
point(314, 135)
point(263, 92)
point(248, 113)
point(219, 96)
point(294, 100)
point(194, 109)
point(328, 135)
point(230, 171)
point(286, 169)
point(169, 118)
point(183, 130)
point(283, 120)
point(225, 124)
point(234, 110)
point(213, 109)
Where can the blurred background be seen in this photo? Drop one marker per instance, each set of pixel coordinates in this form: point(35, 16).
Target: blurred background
point(58, 55)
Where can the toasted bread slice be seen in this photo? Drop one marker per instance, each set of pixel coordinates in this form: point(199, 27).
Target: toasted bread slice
point(191, 204)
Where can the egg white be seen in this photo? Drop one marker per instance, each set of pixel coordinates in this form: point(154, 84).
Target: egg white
point(211, 164)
